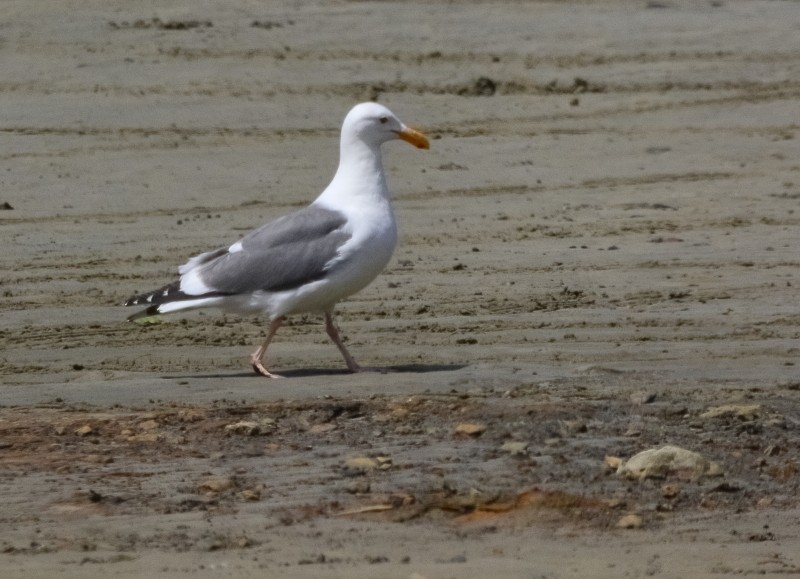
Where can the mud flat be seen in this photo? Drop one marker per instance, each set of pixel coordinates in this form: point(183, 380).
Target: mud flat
point(598, 257)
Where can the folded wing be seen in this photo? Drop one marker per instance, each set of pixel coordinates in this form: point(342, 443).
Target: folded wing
point(282, 255)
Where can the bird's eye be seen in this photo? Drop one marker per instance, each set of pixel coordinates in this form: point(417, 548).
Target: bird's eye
point(384, 120)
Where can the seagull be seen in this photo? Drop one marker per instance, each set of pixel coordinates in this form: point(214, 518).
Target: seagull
point(305, 261)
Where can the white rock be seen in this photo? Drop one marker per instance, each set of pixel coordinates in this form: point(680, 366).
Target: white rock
point(746, 412)
point(661, 462)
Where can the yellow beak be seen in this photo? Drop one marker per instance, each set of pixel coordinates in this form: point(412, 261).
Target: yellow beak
point(414, 137)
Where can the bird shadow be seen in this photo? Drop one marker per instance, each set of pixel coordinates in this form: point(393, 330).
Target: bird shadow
point(311, 372)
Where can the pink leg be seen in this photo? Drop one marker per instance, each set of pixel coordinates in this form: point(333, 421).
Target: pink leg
point(334, 334)
point(255, 357)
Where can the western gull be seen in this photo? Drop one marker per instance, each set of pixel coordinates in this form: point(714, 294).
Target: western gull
point(308, 260)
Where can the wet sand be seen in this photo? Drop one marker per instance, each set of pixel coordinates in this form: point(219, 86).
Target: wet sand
point(599, 248)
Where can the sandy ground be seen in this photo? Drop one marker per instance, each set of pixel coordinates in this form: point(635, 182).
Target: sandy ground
point(598, 256)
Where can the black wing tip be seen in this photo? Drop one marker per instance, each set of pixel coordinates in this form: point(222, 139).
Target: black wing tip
point(147, 299)
point(140, 300)
point(168, 293)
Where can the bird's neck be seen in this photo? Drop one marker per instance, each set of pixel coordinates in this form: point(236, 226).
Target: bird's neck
point(359, 176)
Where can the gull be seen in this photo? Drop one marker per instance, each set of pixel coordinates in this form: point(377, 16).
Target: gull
point(305, 261)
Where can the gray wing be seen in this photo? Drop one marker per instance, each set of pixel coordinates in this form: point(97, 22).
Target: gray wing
point(282, 255)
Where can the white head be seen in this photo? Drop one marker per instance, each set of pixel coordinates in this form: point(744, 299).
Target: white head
point(374, 124)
